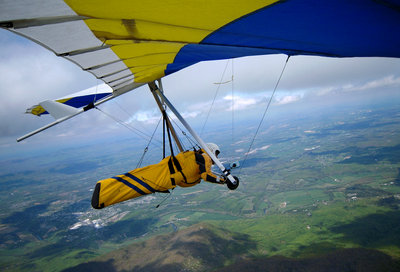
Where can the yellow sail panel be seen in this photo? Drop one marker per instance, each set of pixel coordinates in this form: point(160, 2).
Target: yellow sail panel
point(39, 110)
point(134, 29)
point(150, 74)
point(148, 54)
point(36, 110)
point(142, 69)
point(154, 59)
point(201, 14)
point(163, 22)
point(136, 50)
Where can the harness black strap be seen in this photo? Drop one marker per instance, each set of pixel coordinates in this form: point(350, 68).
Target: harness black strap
point(163, 137)
point(177, 164)
point(201, 162)
point(211, 179)
point(202, 167)
point(169, 134)
point(184, 177)
point(171, 166)
point(179, 167)
point(171, 170)
point(173, 161)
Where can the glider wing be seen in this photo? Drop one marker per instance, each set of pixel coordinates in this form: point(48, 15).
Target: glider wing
point(123, 41)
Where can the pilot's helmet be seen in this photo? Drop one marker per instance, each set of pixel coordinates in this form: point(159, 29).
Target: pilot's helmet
point(214, 148)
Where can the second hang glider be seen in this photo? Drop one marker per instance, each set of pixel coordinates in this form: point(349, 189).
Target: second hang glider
point(129, 43)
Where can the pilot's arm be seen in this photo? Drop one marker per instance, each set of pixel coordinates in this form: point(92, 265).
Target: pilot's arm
point(206, 173)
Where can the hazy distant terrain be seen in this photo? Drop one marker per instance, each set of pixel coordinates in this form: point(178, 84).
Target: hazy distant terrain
point(320, 189)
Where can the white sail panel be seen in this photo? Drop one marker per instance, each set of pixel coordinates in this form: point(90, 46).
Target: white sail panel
point(53, 36)
point(121, 81)
point(95, 58)
point(118, 75)
point(108, 69)
point(28, 9)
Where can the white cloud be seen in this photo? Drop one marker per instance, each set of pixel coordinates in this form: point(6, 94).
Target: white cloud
point(253, 151)
point(239, 103)
point(150, 117)
point(282, 100)
point(387, 81)
point(390, 81)
point(192, 114)
point(31, 74)
point(265, 147)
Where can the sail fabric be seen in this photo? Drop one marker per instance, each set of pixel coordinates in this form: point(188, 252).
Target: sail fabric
point(76, 100)
point(130, 41)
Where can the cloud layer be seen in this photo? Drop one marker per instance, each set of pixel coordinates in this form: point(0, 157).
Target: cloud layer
point(31, 74)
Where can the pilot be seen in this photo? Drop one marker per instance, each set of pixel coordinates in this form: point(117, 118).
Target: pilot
point(186, 169)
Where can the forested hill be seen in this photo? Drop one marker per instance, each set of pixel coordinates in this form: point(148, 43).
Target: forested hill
point(203, 247)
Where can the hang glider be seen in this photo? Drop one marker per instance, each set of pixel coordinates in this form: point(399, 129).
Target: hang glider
point(129, 43)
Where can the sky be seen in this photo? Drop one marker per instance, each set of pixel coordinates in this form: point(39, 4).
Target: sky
point(30, 74)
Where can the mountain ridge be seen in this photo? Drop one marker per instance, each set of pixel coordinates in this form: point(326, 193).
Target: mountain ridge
point(201, 247)
point(204, 247)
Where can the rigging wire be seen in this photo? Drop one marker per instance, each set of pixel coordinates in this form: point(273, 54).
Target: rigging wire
point(191, 141)
point(132, 129)
point(148, 144)
point(95, 94)
point(215, 96)
point(168, 129)
point(263, 116)
point(129, 115)
point(167, 197)
point(233, 106)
